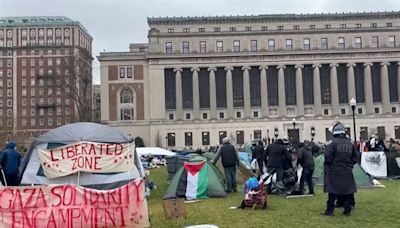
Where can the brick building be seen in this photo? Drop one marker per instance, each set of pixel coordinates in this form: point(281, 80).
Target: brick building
point(45, 74)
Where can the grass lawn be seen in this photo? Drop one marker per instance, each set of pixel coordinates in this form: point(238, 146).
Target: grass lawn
point(379, 207)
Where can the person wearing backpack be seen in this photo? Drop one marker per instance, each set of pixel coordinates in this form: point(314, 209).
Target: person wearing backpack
point(10, 159)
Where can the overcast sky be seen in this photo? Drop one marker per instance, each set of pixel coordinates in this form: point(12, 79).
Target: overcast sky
point(114, 24)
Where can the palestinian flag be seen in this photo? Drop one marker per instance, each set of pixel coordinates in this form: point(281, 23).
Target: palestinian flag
point(196, 180)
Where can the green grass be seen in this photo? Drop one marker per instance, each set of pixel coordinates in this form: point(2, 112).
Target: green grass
point(379, 207)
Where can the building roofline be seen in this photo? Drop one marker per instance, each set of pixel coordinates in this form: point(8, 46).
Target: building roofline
point(272, 18)
point(40, 21)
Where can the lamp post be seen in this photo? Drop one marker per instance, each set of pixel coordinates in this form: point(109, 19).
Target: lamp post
point(267, 142)
point(353, 104)
point(276, 132)
point(294, 123)
point(312, 133)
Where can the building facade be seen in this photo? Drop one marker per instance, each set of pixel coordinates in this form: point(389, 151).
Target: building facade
point(200, 79)
point(45, 64)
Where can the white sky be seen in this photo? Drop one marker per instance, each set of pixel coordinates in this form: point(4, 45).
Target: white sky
point(114, 24)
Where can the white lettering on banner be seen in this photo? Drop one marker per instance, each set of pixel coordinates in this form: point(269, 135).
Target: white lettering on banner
point(87, 157)
point(74, 206)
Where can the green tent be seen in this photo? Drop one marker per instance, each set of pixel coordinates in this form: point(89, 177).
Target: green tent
point(197, 179)
point(361, 178)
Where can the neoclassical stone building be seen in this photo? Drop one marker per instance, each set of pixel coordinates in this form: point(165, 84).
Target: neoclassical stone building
point(199, 79)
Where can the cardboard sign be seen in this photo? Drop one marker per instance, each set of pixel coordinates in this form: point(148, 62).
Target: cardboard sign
point(88, 157)
point(73, 206)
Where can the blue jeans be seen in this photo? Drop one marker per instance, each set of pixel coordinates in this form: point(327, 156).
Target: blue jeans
point(230, 175)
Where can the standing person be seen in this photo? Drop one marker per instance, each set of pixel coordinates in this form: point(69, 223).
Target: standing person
point(278, 156)
point(230, 160)
point(340, 157)
point(260, 152)
point(306, 160)
point(10, 159)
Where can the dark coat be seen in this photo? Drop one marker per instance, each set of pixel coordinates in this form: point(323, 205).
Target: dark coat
point(340, 157)
point(10, 159)
point(278, 154)
point(305, 157)
point(259, 152)
point(229, 155)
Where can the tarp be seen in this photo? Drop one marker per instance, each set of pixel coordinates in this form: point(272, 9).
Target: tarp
point(74, 206)
point(32, 171)
point(374, 163)
point(154, 151)
point(361, 178)
point(215, 183)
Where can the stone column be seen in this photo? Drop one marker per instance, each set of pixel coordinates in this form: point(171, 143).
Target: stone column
point(299, 90)
point(351, 84)
point(369, 102)
point(281, 91)
point(213, 95)
point(334, 90)
point(264, 91)
point(196, 94)
point(229, 93)
point(385, 92)
point(317, 90)
point(398, 81)
point(178, 93)
point(246, 92)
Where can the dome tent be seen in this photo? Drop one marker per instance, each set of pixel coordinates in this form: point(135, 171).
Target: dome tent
point(30, 168)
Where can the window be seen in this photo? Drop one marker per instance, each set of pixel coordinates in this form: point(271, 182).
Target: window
point(9, 63)
point(393, 109)
point(185, 47)
point(187, 116)
point(127, 114)
point(222, 135)
point(373, 25)
point(170, 30)
point(376, 110)
point(358, 25)
point(264, 28)
point(58, 121)
point(240, 137)
point(257, 135)
point(392, 42)
point(220, 46)
point(296, 27)
point(122, 72)
point(289, 45)
point(129, 72)
point(342, 26)
point(279, 27)
point(205, 138)
point(205, 116)
point(358, 42)
point(236, 46)
point(186, 29)
point(9, 33)
point(203, 47)
point(221, 115)
point(126, 96)
point(247, 29)
point(343, 111)
point(327, 26)
point(171, 116)
point(375, 42)
point(271, 45)
point(341, 44)
point(311, 26)
point(306, 43)
point(388, 24)
point(168, 47)
point(360, 110)
point(171, 139)
point(188, 139)
point(238, 115)
point(217, 29)
point(23, 62)
point(232, 29)
point(202, 29)
point(49, 62)
point(253, 45)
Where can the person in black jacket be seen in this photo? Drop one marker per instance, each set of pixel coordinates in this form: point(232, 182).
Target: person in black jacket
point(339, 183)
point(10, 159)
point(230, 160)
point(277, 157)
point(306, 160)
point(259, 153)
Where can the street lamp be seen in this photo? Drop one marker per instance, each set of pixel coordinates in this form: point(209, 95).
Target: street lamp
point(294, 123)
point(353, 104)
point(267, 142)
point(312, 133)
point(276, 132)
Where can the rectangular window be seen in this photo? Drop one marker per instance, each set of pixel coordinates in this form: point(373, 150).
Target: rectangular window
point(279, 27)
point(171, 139)
point(222, 135)
point(217, 29)
point(289, 45)
point(311, 26)
point(129, 72)
point(170, 30)
point(253, 45)
point(202, 29)
point(342, 26)
point(358, 42)
point(271, 45)
point(327, 26)
point(205, 138)
point(392, 42)
point(296, 27)
point(240, 137)
point(203, 47)
point(122, 72)
point(232, 29)
point(220, 46)
point(306, 44)
point(257, 135)
point(264, 28)
point(247, 29)
point(188, 139)
point(168, 47)
point(373, 25)
point(186, 30)
point(236, 46)
point(185, 47)
point(375, 42)
point(341, 43)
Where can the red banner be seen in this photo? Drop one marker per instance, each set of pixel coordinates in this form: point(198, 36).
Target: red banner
point(70, 206)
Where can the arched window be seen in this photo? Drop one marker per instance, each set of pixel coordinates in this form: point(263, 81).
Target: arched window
point(126, 96)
